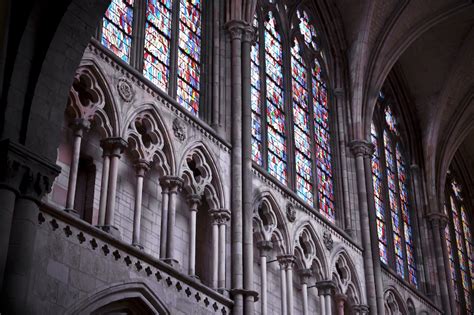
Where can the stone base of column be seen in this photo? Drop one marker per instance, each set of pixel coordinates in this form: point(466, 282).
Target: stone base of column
point(172, 262)
point(72, 212)
point(140, 247)
point(112, 230)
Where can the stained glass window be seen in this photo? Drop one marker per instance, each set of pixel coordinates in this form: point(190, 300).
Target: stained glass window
point(307, 108)
point(276, 131)
point(391, 192)
point(161, 62)
point(117, 28)
point(460, 246)
point(156, 55)
point(189, 54)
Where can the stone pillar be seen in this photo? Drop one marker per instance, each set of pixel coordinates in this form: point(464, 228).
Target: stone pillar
point(174, 186)
point(340, 300)
point(359, 149)
point(35, 176)
point(326, 289)
point(438, 224)
point(104, 187)
point(247, 196)
point(265, 248)
point(368, 152)
point(193, 201)
point(360, 309)
point(235, 29)
point(79, 126)
point(284, 294)
point(220, 218)
point(164, 216)
point(141, 167)
point(115, 146)
point(286, 263)
point(305, 275)
point(215, 253)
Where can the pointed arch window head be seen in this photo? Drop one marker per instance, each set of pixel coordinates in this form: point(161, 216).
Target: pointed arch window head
point(391, 191)
point(460, 245)
point(296, 117)
point(171, 52)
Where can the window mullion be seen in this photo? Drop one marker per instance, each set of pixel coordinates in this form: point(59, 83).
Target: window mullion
point(263, 91)
point(173, 70)
point(312, 126)
point(138, 35)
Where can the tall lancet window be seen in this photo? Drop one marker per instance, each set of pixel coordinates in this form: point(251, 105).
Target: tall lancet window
point(460, 244)
point(168, 42)
point(394, 214)
point(291, 126)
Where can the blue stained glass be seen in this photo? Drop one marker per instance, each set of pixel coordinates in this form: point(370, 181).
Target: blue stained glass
point(390, 120)
point(117, 28)
point(304, 189)
point(303, 166)
point(301, 118)
point(321, 116)
point(276, 144)
point(322, 138)
point(383, 253)
point(302, 142)
point(275, 118)
point(274, 94)
point(306, 29)
point(159, 14)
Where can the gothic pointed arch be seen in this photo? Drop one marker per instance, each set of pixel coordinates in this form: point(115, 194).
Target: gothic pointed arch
point(269, 221)
point(344, 273)
point(132, 296)
point(201, 176)
point(148, 138)
point(394, 303)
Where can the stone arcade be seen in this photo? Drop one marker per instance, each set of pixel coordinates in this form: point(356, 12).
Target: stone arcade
point(237, 157)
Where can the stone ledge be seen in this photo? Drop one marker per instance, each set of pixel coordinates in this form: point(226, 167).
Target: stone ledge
point(61, 222)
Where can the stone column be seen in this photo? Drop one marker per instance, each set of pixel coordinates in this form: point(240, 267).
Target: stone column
point(265, 248)
point(79, 126)
point(193, 201)
point(35, 176)
point(326, 289)
point(305, 275)
point(360, 309)
point(164, 216)
point(174, 186)
point(115, 146)
point(215, 253)
point(104, 187)
point(248, 37)
point(340, 300)
point(221, 217)
point(368, 152)
point(438, 224)
point(235, 29)
point(359, 149)
point(286, 263)
point(141, 167)
point(284, 294)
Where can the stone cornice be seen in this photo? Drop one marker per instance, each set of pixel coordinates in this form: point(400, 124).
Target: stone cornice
point(25, 172)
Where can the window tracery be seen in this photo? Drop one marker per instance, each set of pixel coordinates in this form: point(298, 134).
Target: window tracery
point(391, 191)
point(290, 126)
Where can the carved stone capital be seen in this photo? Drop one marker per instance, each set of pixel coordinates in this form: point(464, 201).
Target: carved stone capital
point(326, 287)
point(79, 126)
point(236, 29)
point(193, 201)
point(265, 247)
point(437, 219)
point(305, 275)
point(249, 34)
point(171, 183)
point(25, 172)
point(360, 309)
point(361, 147)
point(113, 146)
point(286, 261)
point(141, 167)
point(220, 216)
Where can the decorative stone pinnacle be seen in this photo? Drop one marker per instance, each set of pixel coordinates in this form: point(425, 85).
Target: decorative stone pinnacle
point(361, 147)
point(113, 146)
